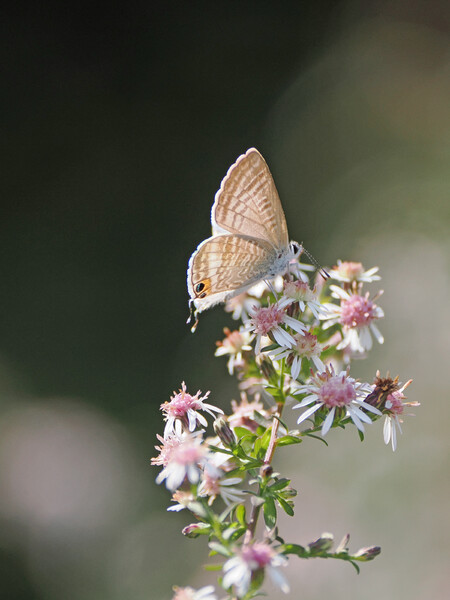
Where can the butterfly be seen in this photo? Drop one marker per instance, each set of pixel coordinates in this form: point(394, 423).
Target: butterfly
point(249, 241)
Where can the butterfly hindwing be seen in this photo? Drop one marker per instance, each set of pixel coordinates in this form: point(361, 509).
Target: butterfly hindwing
point(225, 265)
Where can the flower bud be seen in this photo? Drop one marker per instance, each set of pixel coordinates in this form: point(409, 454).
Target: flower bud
point(195, 529)
point(224, 432)
point(268, 369)
point(322, 544)
point(368, 553)
point(266, 471)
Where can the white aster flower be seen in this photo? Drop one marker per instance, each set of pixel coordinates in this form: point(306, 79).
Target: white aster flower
point(348, 272)
point(268, 320)
point(214, 484)
point(239, 306)
point(234, 344)
point(300, 292)
point(185, 456)
point(306, 347)
point(394, 409)
point(182, 412)
point(254, 557)
point(337, 393)
point(356, 314)
point(188, 593)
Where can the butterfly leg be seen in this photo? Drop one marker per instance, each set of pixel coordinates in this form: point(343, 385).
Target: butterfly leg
point(271, 288)
point(192, 315)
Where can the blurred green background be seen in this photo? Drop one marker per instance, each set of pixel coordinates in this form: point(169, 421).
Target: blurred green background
point(118, 123)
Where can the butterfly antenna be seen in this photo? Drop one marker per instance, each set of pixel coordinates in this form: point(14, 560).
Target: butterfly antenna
point(319, 267)
point(192, 315)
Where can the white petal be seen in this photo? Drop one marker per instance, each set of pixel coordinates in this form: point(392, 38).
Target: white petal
point(387, 428)
point(376, 332)
point(369, 407)
point(279, 579)
point(306, 401)
point(361, 415)
point(365, 338)
point(282, 337)
point(328, 421)
point(356, 420)
point(294, 324)
point(295, 369)
point(308, 413)
point(318, 363)
point(394, 438)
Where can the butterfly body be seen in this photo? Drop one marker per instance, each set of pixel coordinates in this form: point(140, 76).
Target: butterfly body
point(250, 240)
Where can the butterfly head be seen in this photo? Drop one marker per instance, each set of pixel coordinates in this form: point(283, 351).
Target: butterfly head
point(296, 249)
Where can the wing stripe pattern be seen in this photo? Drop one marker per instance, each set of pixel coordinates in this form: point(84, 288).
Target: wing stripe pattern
point(248, 191)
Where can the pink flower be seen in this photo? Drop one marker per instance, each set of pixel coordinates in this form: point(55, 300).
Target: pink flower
point(188, 593)
point(393, 409)
point(306, 346)
point(356, 314)
point(214, 485)
point(239, 569)
point(348, 272)
point(234, 344)
point(185, 457)
point(182, 411)
point(244, 413)
point(268, 321)
point(300, 292)
point(337, 394)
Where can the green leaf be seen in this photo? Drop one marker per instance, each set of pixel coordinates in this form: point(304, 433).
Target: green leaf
point(243, 432)
point(315, 437)
point(285, 506)
point(358, 570)
point(257, 446)
point(279, 484)
point(288, 440)
point(270, 512)
point(271, 347)
point(240, 515)
point(266, 439)
point(212, 567)
point(295, 549)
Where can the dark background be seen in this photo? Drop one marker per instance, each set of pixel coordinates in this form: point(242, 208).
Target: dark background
point(117, 125)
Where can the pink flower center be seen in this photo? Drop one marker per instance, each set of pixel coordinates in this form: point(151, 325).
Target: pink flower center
point(188, 454)
point(337, 391)
point(266, 319)
point(211, 485)
point(394, 403)
point(306, 345)
point(299, 290)
point(180, 404)
point(350, 269)
point(357, 311)
point(184, 594)
point(257, 556)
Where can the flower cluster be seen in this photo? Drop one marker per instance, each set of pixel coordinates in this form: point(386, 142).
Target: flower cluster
point(295, 342)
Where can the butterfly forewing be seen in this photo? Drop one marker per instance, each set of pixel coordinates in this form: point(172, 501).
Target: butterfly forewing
point(224, 265)
point(247, 202)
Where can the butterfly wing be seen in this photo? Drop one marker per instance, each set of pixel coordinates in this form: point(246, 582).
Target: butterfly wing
point(247, 202)
point(226, 265)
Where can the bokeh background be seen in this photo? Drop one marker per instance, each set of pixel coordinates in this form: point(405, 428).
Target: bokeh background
point(117, 124)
